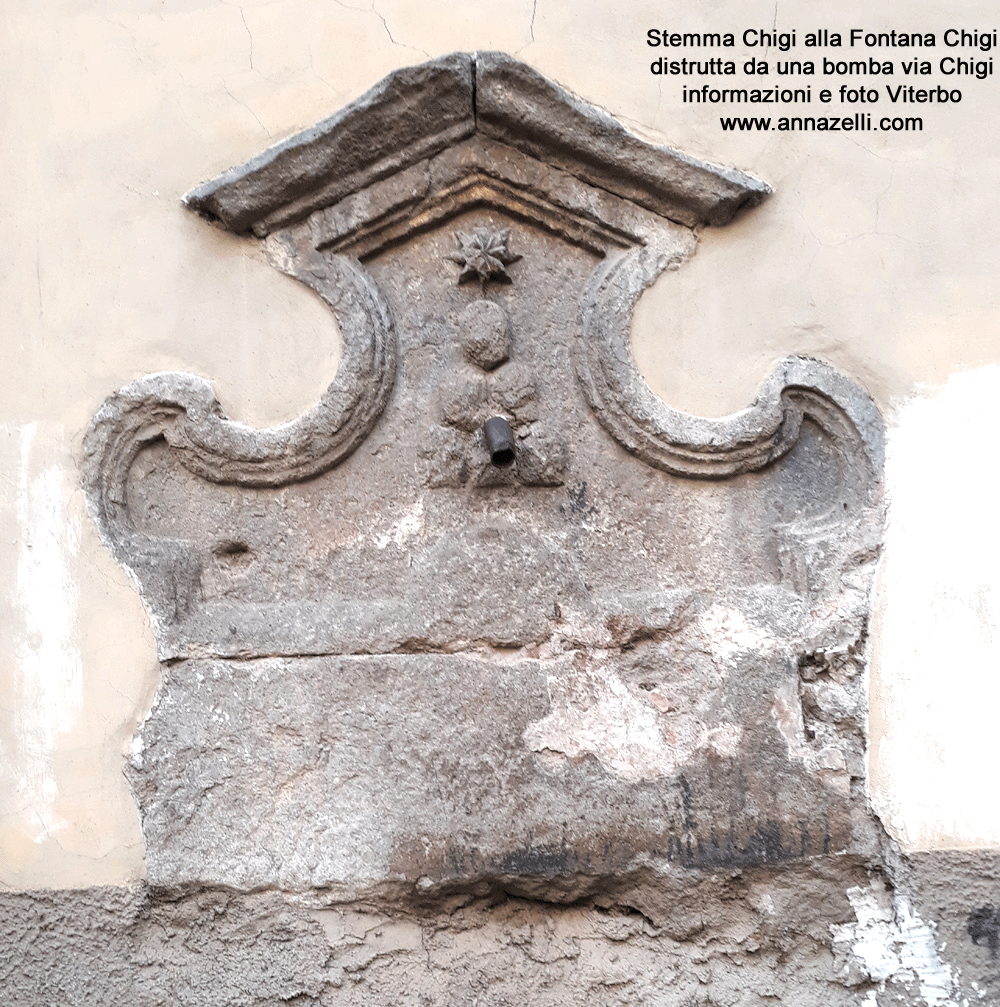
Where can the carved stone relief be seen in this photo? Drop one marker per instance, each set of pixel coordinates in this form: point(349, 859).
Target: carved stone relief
point(492, 613)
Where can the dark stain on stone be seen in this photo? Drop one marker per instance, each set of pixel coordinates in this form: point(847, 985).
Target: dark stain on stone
point(578, 498)
point(539, 860)
point(983, 925)
point(764, 845)
point(771, 842)
point(689, 820)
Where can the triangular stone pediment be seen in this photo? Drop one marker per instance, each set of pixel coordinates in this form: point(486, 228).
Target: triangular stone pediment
point(417, 112)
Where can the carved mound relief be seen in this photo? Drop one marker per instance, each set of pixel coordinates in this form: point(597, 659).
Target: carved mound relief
point(492, 612)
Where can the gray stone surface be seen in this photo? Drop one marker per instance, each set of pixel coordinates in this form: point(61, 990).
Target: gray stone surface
point(517, 669)
point(591, 722)
point(551, 776)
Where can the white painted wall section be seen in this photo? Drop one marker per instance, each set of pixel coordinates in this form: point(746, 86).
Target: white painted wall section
point(40, 631)
point(936, 678)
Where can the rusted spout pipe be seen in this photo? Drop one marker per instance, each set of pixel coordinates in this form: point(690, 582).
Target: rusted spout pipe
point(499, 440)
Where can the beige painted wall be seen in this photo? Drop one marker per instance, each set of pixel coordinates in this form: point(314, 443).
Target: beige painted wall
point(877, 252)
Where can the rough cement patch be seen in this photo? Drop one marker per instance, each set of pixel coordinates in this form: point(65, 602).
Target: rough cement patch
point(957, 892)
point(828, 933)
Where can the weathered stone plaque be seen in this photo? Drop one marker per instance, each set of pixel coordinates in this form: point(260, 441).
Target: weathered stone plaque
point(491, 613)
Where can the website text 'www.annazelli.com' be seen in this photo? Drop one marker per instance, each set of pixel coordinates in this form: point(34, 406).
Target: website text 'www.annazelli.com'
point(823, 123)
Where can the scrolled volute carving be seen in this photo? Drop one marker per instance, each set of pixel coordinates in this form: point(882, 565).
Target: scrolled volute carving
point(182, 410)
point(695, 446)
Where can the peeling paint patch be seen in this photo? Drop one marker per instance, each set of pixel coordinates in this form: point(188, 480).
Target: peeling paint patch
point(48, 672)
point(647, 734)
point(890, 943)
point(730, 633)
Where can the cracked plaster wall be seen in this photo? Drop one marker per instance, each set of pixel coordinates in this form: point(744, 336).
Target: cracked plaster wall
point(875, 253)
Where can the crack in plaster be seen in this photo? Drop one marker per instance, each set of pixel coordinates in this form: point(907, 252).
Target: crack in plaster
point(131, 35)
point(239, 101)
point(774, 30)
point(385, 24)
point(531, 28)
point(318, 76)
point(243, 18)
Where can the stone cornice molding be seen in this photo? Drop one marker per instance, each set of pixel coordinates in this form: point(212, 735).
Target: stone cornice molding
point(417, 112)
point(427, 144)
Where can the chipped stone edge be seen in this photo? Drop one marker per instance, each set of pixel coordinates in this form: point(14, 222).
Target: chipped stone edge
point(361, 143)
